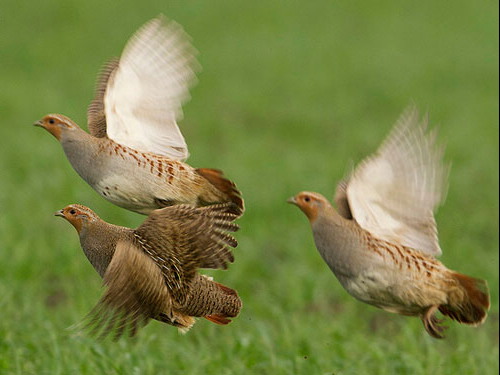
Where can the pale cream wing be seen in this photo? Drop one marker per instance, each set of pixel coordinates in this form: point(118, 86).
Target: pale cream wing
point(393, 194)
point(144, 95)
point(135, 292)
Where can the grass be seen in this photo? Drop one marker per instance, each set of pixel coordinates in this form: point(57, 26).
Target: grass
point(290, 94)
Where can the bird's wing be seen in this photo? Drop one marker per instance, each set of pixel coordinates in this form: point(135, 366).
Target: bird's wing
point(393, 194)
point(341, 200)
point(96, 118)
point(135, 292)
point(144, 94)
point(181, 239)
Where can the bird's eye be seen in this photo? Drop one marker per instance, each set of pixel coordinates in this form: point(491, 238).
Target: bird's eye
point(307, 199)
point(52, 121)
point(72, 211)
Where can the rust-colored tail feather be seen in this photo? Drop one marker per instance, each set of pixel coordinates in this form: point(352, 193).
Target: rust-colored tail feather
point(226, 289)
point(218, 319)
point(216, 178)
point(475, 302)
point(231, 307)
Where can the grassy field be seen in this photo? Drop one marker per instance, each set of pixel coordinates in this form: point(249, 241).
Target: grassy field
point(290, 94)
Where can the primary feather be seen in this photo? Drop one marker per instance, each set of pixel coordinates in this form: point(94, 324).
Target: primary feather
point(393, 194)
point(144, 94)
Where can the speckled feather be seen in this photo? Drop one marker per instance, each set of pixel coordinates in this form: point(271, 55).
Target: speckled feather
point(180, 240)
point(134, 153)
point(150, 272)
point(382, 242)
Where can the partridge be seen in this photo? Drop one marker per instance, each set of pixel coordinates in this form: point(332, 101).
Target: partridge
point(381, 242)
point(134, 155)
point(151, 272)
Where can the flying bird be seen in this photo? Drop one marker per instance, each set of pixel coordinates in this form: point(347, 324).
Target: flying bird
point(134, 155)
point(151, 272)
point(381, 242)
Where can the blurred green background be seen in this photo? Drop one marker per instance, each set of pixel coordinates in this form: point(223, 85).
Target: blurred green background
point(291, 94)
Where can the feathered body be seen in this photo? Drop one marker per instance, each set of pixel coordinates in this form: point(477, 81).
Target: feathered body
point(140, 181)
point(151, 272)
point(388, 275)
point(134, 155)
point(382, 242)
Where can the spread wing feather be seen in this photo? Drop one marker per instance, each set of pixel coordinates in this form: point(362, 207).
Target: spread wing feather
point(135, 293)
point(181, 239)
point(96, 118)
point(394, 193)
point(144, 94)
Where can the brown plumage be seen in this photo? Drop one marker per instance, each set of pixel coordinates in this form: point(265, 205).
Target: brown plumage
point(135, 152)
point(151, 272)
point(381, 242)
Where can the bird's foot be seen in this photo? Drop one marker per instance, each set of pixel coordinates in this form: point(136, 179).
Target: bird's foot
point(432, 324)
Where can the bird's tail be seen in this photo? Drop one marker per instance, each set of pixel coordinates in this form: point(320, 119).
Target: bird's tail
point(227, 187)
point(469, 302)
point(229, 304)
point(211, 300)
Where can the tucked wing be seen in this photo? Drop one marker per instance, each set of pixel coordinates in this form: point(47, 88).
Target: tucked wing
point(181, 239)
point(135, 292)
point(144, 94)
point(393, 194)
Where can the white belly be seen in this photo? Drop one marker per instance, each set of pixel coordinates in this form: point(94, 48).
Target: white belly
point(125, 193)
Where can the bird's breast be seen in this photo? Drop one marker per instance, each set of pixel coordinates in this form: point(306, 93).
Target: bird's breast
point(128, 178)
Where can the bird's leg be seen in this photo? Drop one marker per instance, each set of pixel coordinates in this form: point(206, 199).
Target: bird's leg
point(432, 324)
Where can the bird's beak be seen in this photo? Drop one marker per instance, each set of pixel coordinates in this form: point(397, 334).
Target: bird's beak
point(38, 123)
point(59, 213)
point(292, 200)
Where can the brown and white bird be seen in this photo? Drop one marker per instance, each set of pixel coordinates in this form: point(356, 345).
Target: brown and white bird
point(382, 241)
point(134, 155)
point(151, 272)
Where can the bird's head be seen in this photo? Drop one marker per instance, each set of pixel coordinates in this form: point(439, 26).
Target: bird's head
point(78, 215)
point(310, 203)
point(56, 124)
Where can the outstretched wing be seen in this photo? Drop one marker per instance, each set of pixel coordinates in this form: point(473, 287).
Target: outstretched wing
point(135, 292)
point(96, 117)
point(142, 95)
point(180, 239)
point(341, 200)
point(393, 194)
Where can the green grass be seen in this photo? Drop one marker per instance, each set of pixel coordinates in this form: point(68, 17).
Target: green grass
point(290, 94)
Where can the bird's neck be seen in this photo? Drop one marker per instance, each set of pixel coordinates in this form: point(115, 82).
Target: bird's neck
point(99, 241)
point(337, 240)
point(82, 151)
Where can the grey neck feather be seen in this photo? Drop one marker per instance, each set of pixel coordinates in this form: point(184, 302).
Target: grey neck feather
point(99, 241)
point(339, 242)
point(82, 151)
